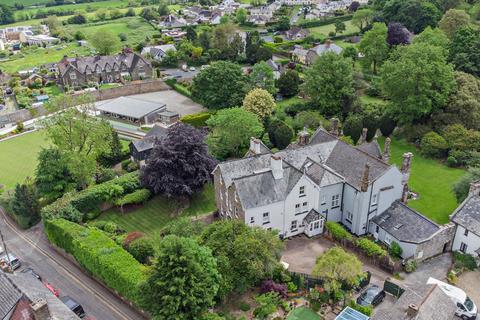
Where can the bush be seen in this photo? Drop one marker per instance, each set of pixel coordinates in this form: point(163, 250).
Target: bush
point(197, 120)
point(99, 255)
point(464, 261)
point(268, 304)
point(337, 231)
point(410, 266)
point(395, 250)
point(452, 278)
point(433, 145)
point(353, 126)
point(280, 133)
point(244, 306)
point(367, 310)
point(272, 286)
point(141, 249)
point(370, 248)
point(295, 108)
point(414, 133)
point(137, 197)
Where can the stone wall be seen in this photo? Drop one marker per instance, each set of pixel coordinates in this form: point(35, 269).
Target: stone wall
point(131, 88)
point(441, 242)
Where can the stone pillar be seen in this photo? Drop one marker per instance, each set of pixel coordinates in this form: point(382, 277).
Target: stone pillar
point(335, 130)
point(474, 189)
point(363, 137)
point(365, 178)
point(386, 150)
point(254, 146)
point(406, 167)
point(303, 137)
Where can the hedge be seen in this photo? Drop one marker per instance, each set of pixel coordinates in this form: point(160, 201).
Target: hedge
point(74, 206)
point(100, 255)
point(370, 248)
point(137, 197)
point(197, 120)
point(318, 23)
point(337, 231)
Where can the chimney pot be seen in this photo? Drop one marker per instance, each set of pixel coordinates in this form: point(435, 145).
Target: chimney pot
point(363, 137)
point(254, 145)
point(386, 150)
point(365, 178)
point(303, 137)
point(334, 131)
point(412, 310)
point(406, 167)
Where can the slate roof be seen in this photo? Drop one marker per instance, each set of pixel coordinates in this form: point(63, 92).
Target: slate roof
point(432, 302)
point(9, 295)
point(156, 133)
point(327, 47)
point(372, 148)
point(158, 50)
point(321, 174)
point(406, 224)
point(320, 136)
point(312, 215)
point(131, 107)
point(468, 214)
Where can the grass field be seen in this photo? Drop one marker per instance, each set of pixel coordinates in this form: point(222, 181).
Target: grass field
point(151, 218)
point(303, 313)
point(325, 30)
point(431, 179)
point(109, 4)
point(18, 157)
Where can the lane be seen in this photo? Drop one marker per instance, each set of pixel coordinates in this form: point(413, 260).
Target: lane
point(33, 250)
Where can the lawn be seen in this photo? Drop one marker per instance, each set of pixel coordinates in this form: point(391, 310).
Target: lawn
point(151, 218)
point(18, 157)
point(303, 313)
point(35, 56)
point(431, 179)
point(325, 30)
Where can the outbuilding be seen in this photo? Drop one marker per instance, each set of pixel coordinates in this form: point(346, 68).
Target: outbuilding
point(134, 110)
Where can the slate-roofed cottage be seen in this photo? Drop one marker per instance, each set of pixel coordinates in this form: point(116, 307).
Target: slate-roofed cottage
point(309, 56)
point(296, 33)
point(467, 223)
point(141, 149)
point(78, 71)
point(315, 180)
point(158, 52)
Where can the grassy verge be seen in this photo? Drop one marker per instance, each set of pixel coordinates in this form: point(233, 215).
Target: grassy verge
point(431, 179)
point(18, 157)
point(151, 218)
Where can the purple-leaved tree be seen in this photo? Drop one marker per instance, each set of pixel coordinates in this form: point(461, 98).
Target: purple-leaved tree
point(179, 165)
point(397, 34)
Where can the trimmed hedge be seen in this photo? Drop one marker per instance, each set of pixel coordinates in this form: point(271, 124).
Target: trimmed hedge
point(74, 206)
point(137, 197)
point(197, 120)
point(100, 255)
point(370, 248)
point(337, 231)
point(318, 23)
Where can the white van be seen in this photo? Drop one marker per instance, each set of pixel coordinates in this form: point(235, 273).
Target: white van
point(466, 309)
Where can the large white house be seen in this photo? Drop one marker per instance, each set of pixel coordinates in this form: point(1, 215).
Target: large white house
point(314, 180)
point(467, 221)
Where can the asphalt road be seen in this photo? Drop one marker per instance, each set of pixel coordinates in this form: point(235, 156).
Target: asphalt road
point(33, 250)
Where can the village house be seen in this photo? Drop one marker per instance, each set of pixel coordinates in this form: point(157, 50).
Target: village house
point(158, 52)
point(309, 56)
point(79, 71)
point(467, 223)
point(296, 33)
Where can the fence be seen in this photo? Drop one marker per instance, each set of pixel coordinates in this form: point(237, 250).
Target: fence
point(304, 280)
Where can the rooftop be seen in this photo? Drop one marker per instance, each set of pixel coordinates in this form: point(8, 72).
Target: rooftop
point(131, 107)
point(468, 214)
point(156, 133)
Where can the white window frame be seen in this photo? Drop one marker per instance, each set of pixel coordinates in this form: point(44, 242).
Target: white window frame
point(388, 239)
point(463, 247)
point(297, 208)
point(301, 191)
point(374, 199)
point(294, 225)
point(335, 200)
point(349, 216)
point(465, 233)
point(324, 200)
point(266, 217)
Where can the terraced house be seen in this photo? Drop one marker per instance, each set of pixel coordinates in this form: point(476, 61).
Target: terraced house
point(78, 71)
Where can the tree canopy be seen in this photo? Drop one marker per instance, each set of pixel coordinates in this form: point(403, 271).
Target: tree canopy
point(288, 83)
point(259, 102)
point(179, 165)
point(465, 50)
point(374, 46)
point(397, 34)
point(434, 37)
point(363, 19)
point(453, 20)
point(262, 77)
point(105, 42)
point(415, 15)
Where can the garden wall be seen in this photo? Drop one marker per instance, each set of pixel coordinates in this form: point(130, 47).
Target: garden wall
point(131, 88)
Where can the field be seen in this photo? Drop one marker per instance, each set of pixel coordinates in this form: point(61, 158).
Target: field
point(151, 218)
point(90, 6)
point(325, 30)
point(431, 179)
point(303, 313)
point(18, 157)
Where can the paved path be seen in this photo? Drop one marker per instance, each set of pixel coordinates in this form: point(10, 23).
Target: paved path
point(33, 250)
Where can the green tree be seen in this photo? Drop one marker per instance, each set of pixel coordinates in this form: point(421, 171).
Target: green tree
point(363, 18)
point(288, 83)
point(6, 14)
point(462, 187)
point(262, 77)
point(25, 204)
point(340, 27)
point(52, 177)
point(246, 255)
point(241, 15)
point(415, 15)
point(351, 52)
point(329, 82)
point(336, 266)
point(433, 145)
point(191, 33)
point(374, 46)
point(259, 102)
point(230, 132)
point(105, 42)
point(163, 9)
point(434, 37)
point(353, 126)
point(417, 80)
point(222, 85)
point(280, 134)
point(170, 59)
point(183, 281)
point(184, 227)
point(101, 14)
point(453, 20)
point(465, 51)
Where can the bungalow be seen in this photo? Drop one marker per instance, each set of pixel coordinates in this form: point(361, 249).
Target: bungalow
point(131, 109)
point(158, 52)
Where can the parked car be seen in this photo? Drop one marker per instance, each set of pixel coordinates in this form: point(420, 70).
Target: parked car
point(51, 288)
point(15, 262)
point(192, 69)
point(74, 306)
point(373, 296)
point(466, 308)
point(32, 272)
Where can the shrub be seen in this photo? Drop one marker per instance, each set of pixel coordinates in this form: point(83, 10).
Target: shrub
point(272, 286)
point(353, 126)
point(452, 278)
point(295, 108)
point(433, 145)
point(410, 266)
point(367, 310)
point(244, 306)
point(141, 249)
point(137, 197)
point(395, 250)
point(370, 248)
point(464, 261)
point(268, 304)
point(280, 134)
point(197, 120)
point(292, 287)
point(337, 231)
point(99, 255)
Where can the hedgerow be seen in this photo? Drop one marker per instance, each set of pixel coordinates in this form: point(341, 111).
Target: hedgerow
point(370, 248)
point(196, 120)
point(337, 231)
point(137, 197)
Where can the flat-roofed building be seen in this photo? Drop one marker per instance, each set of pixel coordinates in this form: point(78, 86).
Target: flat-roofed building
point(134, 110)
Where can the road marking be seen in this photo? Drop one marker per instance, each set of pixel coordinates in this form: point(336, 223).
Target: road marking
point(71, 275)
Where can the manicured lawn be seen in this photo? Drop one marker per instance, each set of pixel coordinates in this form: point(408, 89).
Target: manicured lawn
point(431, 179)
point(303, 313)
point(151, 218)
point(18, 157)
point(325, 30)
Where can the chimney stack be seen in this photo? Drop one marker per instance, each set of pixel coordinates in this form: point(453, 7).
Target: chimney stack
point(412, 311)
point(365, 178)
point(334, 129)
point(254, 145)
point(40, 310)
point(303, 137)
point(474, 188)
point(276, 166)
point(406, 167)
point(386, 150)
point(363, 137)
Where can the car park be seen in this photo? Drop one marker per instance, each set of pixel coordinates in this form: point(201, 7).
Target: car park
point(32, 272)
point(372, 296)
point(74, 306)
